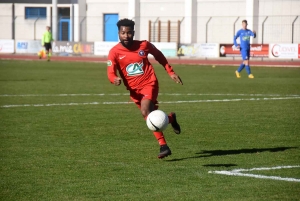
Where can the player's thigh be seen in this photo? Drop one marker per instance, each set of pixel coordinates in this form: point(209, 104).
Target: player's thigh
point(245, 54)
point(148, 93)
point(149, 100)
point(136, 98)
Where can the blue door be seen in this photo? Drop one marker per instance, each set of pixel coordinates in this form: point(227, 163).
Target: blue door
point(64, 30)
point(110, 27)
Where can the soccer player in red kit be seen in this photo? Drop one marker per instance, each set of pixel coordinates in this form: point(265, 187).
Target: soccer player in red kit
point(130, 58)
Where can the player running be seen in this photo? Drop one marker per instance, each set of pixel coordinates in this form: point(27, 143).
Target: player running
point(244, 47)
point(130, 58)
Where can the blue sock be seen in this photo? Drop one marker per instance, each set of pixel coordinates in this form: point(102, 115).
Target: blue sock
point(248, 69)
point(241, 67)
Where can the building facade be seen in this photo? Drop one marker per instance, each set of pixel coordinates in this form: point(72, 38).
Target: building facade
point(181, 21)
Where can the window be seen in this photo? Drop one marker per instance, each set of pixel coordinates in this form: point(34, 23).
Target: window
point(35, 12)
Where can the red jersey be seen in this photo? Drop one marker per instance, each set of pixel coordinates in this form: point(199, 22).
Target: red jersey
point(133, 64)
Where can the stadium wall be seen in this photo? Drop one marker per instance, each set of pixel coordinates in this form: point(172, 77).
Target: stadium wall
point(213, 21)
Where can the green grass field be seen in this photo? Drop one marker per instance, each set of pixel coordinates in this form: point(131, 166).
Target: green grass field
point(68, 134)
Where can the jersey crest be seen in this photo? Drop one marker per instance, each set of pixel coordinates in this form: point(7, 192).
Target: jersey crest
point(141, 53)
point(134, 69)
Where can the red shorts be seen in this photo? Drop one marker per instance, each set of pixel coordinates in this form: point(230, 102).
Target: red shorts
point(148, 92)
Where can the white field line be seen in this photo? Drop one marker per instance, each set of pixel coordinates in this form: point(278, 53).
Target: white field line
point(127, 94)
point(161, 102)
point(238, 172)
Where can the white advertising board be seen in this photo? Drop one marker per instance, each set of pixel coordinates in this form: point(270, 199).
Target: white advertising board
point(7, 46)
point(209, 50)
point(284, 51)
point(168, 49)
point(28, 46)
point(102, 48)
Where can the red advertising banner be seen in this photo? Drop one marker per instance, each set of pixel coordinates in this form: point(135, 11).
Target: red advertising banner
point(256, 50)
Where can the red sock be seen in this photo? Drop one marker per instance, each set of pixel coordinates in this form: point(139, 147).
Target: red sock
point(170, 118)
point(160, 138)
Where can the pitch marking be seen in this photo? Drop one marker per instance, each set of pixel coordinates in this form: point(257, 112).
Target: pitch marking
point(238, 172)
point(126, 94)
point(161, 102)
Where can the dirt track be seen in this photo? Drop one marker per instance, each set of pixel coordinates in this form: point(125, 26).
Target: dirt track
point(237, 61)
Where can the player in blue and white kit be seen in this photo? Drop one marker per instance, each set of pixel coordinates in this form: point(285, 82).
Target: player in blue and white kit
point(244, 47)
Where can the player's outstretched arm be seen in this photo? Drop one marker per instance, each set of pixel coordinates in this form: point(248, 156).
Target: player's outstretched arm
point(176, 78)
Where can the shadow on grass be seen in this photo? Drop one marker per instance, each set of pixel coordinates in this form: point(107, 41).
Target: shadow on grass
point(210, 153)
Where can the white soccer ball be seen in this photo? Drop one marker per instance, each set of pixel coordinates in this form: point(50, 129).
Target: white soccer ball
point(157, 120)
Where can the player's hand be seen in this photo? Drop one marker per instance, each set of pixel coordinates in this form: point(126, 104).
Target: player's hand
point(177, 79)
point(254, 32)
point(117, 81)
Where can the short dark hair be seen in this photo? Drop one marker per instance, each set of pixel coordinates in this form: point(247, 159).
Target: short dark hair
point(126, 22)
point(245, 21)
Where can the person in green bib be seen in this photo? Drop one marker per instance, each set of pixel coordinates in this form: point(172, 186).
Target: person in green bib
point(46, 42)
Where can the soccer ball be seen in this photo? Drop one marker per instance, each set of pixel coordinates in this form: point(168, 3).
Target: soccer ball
point(157, 120)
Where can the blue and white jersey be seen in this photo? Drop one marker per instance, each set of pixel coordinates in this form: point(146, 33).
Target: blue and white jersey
point(244, 35)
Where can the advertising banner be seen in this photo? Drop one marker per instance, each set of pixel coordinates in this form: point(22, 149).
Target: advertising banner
point(7, 46)
point(102, 48)
point(190, 50)
point(209, 50)
point(284, 51)
point(76, 48)
point(168, 49)
point(28, 46)
point(256, 50)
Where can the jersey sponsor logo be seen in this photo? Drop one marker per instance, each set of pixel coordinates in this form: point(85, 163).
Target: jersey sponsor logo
point(246, 38)
point(135, 69)
point(109, 63)
point(121, 57)
point(141, 53)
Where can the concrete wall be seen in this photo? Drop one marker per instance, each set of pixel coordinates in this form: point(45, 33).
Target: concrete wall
point(95, 12)
point(31, 29)
point(281, 14)
point(6, 21)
